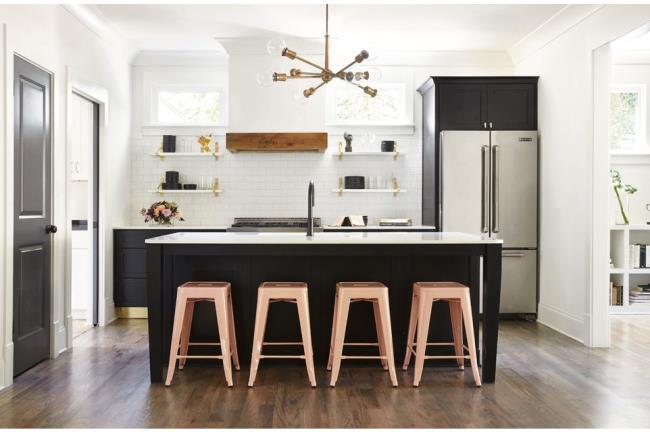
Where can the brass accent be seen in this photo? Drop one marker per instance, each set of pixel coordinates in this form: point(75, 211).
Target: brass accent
point(160, 152)
point(395, 186)
point(326, 74)
point(340, 186)
point(340, 150)
point(204, 142)
point(131, 312)
point(215, 153)
point(279, 76)
point(159, 189)
point(395, 152)
point(215, 186)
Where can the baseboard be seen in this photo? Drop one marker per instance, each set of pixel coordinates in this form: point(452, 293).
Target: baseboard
point(7, 365)
point(109, 311)
point(131, 312)
point(562, 322)
point(61, 340)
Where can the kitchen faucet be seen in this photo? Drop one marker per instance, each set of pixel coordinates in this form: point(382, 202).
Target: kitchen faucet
point(311, 200)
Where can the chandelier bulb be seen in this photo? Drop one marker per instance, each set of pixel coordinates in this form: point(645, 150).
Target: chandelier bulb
point(308, 92)
point(349, 76)
point(362, 76)
point(276, 46)
point(370, 91)
point(294, 72)
point(265, 78)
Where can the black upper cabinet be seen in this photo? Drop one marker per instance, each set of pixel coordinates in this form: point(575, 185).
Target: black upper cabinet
point(512, 106)
point(464, 106)
point(478, 103)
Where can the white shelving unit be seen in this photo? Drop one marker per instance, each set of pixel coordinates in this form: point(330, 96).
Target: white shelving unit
point(621, 236)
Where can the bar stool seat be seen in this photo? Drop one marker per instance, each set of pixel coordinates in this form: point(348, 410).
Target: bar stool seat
point(460, 309)
point(377, 294)
point(187, 296)
point(291, 292)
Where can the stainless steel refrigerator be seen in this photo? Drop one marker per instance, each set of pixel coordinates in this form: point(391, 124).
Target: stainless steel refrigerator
point(489, 187)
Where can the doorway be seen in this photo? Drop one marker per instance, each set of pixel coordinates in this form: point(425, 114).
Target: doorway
point(32, 281)
point(83, 212)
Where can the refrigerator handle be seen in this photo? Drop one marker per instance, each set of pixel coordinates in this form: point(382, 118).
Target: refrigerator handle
point(485, 215)
point(495, 188)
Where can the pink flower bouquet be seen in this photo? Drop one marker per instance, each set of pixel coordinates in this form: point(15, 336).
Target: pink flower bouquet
point(162, 212)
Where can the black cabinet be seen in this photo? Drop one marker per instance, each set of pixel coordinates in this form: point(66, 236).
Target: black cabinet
point(130, 264)
point(490, 103)
point(469, 103)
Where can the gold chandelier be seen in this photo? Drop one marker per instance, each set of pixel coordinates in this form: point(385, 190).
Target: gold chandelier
point(324, 73)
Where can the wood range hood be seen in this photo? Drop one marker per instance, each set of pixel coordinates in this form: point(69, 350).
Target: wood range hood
point(277, 141)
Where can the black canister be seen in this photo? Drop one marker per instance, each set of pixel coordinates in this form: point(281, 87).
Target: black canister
point(171, 176)
point(169, 143)
point(388, 146)
point(355, 182)
point(172, 186)
point(189, 186)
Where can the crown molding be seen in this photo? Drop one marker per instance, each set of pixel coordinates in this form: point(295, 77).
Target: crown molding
point(180, 58)
point(564, 20)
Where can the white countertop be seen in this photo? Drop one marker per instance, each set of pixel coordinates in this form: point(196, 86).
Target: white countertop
point(321, 238)
point(379, 227)
point(172, 227)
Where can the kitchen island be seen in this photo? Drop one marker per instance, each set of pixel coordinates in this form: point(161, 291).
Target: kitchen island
point(248, 259)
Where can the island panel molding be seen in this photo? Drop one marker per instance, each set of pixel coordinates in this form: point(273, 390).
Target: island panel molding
point(277, 141)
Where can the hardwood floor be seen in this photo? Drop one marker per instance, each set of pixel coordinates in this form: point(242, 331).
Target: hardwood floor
point(544, 379)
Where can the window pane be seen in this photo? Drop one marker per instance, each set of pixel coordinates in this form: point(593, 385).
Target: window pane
point(188, 107)
point(624, 120)
point(354, 106)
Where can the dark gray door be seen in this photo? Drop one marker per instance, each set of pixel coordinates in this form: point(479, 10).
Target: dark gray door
point(32, 226)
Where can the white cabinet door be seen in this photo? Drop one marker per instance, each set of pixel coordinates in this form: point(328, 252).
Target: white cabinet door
point(81, 142)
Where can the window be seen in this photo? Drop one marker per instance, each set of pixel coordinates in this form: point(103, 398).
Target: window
point(189, 107)
point(349, 105)
point(186, 105)
point(627, 118)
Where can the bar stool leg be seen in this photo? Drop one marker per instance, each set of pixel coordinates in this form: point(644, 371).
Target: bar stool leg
point(305, 328)
point(331, 354)
point(384, 311)
point(413, 321)
point(185, 333)
point(179, 314)
point(455, 313)
point(381, 340)
point(220, 309)
point(424, 316)
point(258, 336)
point(469, 331)
point(340, 325)
point(233, 336)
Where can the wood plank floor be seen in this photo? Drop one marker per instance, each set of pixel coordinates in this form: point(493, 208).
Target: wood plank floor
point(544, 379)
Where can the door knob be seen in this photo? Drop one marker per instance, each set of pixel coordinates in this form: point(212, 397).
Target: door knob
point(50, 229)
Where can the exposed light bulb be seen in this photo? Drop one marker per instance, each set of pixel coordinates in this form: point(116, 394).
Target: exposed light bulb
point(275, 46)
point(265, 77)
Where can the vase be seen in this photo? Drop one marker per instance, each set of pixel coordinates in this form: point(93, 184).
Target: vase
point(620, 220)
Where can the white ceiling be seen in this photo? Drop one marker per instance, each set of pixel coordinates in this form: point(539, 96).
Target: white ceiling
point(388, 27)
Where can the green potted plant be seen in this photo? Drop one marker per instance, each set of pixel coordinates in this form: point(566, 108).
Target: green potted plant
point(618, 185)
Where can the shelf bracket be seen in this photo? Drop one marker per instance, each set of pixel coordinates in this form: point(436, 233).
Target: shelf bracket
point(340, 150)
point(159, 153)
point(395, 152)
point(395, 186)
point(340, 186)
point(215, 153)
point(215, 186)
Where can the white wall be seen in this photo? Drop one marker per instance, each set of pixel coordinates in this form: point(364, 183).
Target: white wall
point(53, 38)
point(263, 184)
point(564, 64)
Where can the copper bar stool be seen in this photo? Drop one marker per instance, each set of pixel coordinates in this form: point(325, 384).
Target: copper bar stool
point(291, 292)
point(187, 296)
point(460, 309)
point(377, 294)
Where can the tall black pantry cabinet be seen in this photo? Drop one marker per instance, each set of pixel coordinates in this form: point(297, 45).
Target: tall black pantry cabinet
point(468, 103)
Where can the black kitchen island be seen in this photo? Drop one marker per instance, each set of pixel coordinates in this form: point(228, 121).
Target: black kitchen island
point(248, 259)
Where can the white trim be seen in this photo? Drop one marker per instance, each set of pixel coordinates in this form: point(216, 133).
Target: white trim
point(186, 130)
point(597, 323)
point(630, 158)
point(379, 130)
point(562, 322)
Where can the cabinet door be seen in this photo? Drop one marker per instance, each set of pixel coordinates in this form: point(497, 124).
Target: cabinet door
point(462, 106)
point(512, 106)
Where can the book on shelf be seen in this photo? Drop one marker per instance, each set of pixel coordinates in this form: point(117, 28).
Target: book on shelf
point(615, 294)
point(639, 256)
point(640, 294)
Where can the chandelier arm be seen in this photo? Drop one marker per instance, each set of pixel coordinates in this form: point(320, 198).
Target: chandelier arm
point(346, 67)
point(311, 64)
point(327, 37)
point(303, 77)
point(318, 86)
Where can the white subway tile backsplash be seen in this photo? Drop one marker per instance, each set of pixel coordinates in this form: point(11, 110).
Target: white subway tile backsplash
point(275, 184)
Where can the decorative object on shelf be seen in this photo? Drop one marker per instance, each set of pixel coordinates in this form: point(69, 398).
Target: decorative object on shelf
point(399, 222)
point(169, 144)
point(162, 213)
point(189, 186)
point(348, 142)
point(276, 141)
point(388, 146)
point(171, 176)
point(324, 73)
point(204, 142)
point(618, 185)
point(355, 182)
